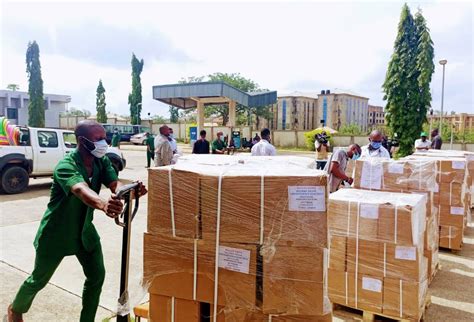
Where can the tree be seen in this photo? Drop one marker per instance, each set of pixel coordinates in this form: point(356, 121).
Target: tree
point(350, 129)
point(174, 114)
point(158, 119)
point(406, 106)
point(13, 87)
point(100, 103)
point(135, 97)
point(35, 86)
point(77, 112)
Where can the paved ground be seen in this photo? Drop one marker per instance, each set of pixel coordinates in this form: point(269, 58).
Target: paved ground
point(452, 290)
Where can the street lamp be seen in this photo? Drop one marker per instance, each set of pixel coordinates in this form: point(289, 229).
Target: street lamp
point(443, 62)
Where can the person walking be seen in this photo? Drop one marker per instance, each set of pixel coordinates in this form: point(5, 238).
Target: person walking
point(264, 147)
point(116, 137)
point(201, 146)
point(150, 148)
point(163, 150)
point(66, 228)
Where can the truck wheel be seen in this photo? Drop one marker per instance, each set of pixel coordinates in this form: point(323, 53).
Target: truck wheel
point(14, 180)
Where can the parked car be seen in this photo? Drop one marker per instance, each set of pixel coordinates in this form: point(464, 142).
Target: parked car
point(37, 155)
point(138, 139)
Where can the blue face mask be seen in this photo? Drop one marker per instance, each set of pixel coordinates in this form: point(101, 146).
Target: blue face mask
point(355, 156)
point(376, 145)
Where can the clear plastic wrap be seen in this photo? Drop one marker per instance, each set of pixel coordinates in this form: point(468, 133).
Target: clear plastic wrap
point(238, 237)
point(376, 252)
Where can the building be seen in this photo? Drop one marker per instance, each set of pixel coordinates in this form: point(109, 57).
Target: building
point(460, 121)
point(376, 117)
point(342, 107)
point(296, 111)
point(14, 105)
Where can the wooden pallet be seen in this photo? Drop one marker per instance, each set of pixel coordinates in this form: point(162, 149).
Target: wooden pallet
point(352, 314)
point(450, 250)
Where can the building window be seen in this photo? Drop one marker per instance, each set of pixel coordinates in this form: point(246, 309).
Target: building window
point(12, 113)
point(325, 110)
point(283, 115)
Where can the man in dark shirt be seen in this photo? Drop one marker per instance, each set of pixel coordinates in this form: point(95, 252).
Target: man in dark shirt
point(201, 146)
point(436, 140)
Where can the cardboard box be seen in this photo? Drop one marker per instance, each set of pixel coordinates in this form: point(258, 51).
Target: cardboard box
point(431, 238)
point(405, 262)
point(451, 194)
point(293, 281)
point(452, 170)
point(400, 232)
point(162, 308)
point(433, 260)
point(169, 268)
point(452, 216)
point(450, 237)
point(381, 174)
point(288, 217)
point(185, 192)
point(411, 295)
point(301, 318)
point(342, 290)
point(337, 252)
point(369, 257)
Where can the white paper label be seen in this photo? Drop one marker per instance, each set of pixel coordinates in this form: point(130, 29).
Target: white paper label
point(404, 252)
point(307, 198)
point(371, 177)
point(234, 259)
point(458, 164)
point(369, 211)
point(457, 211)
point(436, 187)
point(395, 167)
point(371, 284)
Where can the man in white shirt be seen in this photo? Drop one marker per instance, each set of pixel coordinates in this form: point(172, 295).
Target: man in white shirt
point(422, 143)
point(375, 149)
point(173, 143)
point(264, 147)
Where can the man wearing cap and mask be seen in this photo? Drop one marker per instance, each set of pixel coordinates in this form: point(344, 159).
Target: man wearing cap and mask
point(66, 228)
point(375, 149)
point(422, 143)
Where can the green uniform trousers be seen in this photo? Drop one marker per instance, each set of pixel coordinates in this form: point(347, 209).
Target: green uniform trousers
point(45, 265)
point(149, 156)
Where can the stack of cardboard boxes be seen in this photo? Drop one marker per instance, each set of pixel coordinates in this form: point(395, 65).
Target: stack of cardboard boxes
point(406, 176)
point(237, 239)
point(452, 196)
point(376, 260)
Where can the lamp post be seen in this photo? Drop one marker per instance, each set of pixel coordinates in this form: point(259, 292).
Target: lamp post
point(443, 62)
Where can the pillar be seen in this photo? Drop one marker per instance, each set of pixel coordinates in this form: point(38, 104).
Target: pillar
point(232, 122)
point(200, 116)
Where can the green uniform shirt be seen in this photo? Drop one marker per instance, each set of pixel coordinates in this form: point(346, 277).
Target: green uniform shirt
point(218, 145)
point(150, 142)
point(67, 223)
point(116, 139)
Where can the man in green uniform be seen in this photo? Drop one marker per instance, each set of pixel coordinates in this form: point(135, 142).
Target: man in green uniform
point(150, 148)
point(219, 146)
point(66, 227)
point(116, 137)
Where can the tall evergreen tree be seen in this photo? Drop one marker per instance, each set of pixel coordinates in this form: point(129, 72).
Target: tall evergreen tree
point(401, 85)
point(424, 65)
point(135, 97)
point(100, 103)
point(36, 116)
point(174, 114)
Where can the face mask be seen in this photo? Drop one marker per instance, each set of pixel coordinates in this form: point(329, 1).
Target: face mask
point(376, 145)
point(172, 135)
point(355, 156)
point(100, 148)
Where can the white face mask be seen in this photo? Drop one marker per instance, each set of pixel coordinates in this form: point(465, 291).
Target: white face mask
point(100, 148)
point(172, 135)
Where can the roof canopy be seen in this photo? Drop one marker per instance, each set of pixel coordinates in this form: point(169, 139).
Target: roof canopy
point(185, 96)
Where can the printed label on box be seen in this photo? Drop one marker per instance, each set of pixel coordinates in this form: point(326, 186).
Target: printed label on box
point(458, 164)
point(234, 259)
point(307, 198)
point(395, 167)
point(371, 284)
point(371, 177)
point(369, 211)
point(457, 211)
point(404, 252)
point(436, 187)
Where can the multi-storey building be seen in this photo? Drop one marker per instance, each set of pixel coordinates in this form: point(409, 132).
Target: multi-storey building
point(376, 116)
point(296, 111)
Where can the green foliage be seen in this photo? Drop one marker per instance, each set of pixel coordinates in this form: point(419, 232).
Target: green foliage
point(159, 119)
point(135, 97)
point(13, 87)
point(350, 129)
point(100, 103)
point(407, 82)
point(310, 138)
point(35, 86)
point(174, 114)
point(77, 112)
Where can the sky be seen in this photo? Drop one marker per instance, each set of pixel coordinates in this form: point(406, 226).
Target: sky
point(285, 46)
